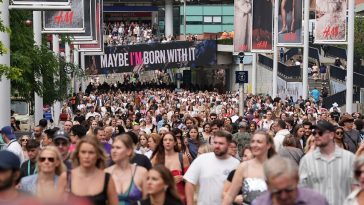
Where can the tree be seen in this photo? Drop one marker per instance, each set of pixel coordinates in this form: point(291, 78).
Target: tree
point(35, 62)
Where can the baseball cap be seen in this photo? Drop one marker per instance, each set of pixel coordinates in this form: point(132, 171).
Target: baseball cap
point(8, 131)
point(60, 134)
point(9, 160)
point(324, 125)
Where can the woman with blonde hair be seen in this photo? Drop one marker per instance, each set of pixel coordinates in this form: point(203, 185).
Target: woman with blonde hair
point(44, 184)
point(129, 178)
point(310, 145)
point(249, 176)
point(89, 163)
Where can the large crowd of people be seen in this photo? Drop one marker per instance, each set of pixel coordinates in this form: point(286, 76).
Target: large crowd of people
point(163, 146)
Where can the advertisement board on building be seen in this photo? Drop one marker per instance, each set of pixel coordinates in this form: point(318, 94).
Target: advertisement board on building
point(262, 26)
point(96, 45)
point(242, 25)
point(90, 26)
point(330, 22)
point(143, 57)
point(72, 21)
point(41, 4)
point(290, 23)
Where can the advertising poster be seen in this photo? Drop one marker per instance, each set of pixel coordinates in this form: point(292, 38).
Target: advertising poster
point(72, 21)
point(242, 25)
point(96, 45)
point(330, 22)
point(262, 26)
point(144, 57)
point(290, 23)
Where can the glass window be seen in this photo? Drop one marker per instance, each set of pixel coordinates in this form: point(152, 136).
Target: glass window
point(207, 19)
point(216, 19)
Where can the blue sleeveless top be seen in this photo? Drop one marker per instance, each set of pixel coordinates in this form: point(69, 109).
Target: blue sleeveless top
point(132, 195)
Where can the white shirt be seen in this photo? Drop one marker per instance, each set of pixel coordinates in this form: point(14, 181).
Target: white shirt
point(279, 137)
point(15, 148)
point(209, 173)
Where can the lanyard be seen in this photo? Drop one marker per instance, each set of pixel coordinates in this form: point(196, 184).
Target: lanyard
point(35, 170)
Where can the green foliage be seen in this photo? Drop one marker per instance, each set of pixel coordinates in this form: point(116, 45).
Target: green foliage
point(41, 71)
point(359, 37)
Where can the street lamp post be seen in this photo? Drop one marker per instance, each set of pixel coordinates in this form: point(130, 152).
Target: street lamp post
point(241, 85)
point(184, 19)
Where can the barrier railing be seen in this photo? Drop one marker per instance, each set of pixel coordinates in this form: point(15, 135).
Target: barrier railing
point(290, 53)
point(335, 52)
point(283, 70)
point(340, 74)
point(339, 98)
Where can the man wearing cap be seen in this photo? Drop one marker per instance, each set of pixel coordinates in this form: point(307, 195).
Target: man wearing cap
point(62, 142)
point(9, 177)
point(327, 169)
point(242, 136)
point(12, 144)
point(351, 136)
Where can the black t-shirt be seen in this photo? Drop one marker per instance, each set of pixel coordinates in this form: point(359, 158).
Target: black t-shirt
point(230, 179)
point(142, 160)
point(27, 168)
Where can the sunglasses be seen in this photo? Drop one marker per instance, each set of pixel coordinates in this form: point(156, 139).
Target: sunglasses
point(24, 140)
point(339, 133)
point(286, 190)
point(43, 159)
point(320, 133)
point(64, 144)
point(357, 173)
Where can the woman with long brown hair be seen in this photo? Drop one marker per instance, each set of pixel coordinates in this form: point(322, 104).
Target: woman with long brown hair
point(168, 154)
point(249, 176)
point(89, 163)
point(161, 188)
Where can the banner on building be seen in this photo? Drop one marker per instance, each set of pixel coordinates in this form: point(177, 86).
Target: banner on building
point(143, 57)
point(330, 22)
point(97, 45)
point(90, 26)
point(72, 21)
point(290, 23)
point(242, 25)
point(262, 26)
point(41, 4)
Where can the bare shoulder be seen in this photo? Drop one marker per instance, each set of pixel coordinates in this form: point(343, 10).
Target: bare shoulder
point(63, 176)
point(141, 171)
point(109, 169)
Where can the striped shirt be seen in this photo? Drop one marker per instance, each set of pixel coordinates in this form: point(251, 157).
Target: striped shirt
point(330, 177)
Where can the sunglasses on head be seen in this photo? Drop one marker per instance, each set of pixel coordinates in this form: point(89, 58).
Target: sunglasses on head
point(43, 159)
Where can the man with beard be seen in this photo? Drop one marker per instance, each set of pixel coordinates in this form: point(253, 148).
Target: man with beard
point(9, 177)
point(210, 169)
point(308, 131)
point(328, 169)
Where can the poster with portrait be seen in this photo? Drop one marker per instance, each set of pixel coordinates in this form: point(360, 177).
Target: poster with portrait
point(262, 26)
point(330, 22)
point(242, 25)
point(290, 23)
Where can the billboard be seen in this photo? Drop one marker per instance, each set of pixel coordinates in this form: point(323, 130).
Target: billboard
point(143, 57)
point(242, 25)
point(330, 22)
point(96, 45)
point(290, 23)
point(41, 4)
point(72, 21)
point(262, 26)
point(90, 26)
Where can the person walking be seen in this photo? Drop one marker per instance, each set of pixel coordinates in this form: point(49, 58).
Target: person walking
point(210, 168)
point(328, 168)
point(282, 179)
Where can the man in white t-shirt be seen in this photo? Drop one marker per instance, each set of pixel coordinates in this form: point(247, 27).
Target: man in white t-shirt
point(12, 144)
point(209, 171)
